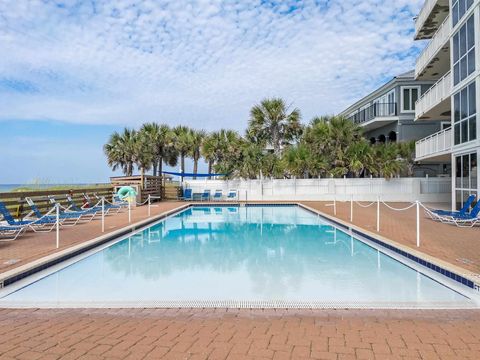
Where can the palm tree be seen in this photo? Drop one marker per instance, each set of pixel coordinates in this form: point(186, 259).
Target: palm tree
point(360, 157)
point(406, 151)
point(252, 156)
point(120, 151)
point(144, 151)
point(196, 141)
point(183, 144)
point(387, 164)
point(222, 150)
point(209, 151)
point(162, 139)
point(297, 160)
point(271, 122)
point(329, 138)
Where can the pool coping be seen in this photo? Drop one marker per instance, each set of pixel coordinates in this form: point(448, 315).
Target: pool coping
point(450, 271)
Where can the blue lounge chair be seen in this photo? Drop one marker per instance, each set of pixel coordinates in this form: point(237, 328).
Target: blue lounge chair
point(66, 219)
point(232, 195)
point(108, 207)
point(44, 224)
point(205, 195)
point(187, 195)
point(218, 195)
point(466, 220)
point(10, 233)
point(116, 200)
point(461, 212)
point(85, 215)
point(73, 206)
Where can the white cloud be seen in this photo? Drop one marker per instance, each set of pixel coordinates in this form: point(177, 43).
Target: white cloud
point(202, 63)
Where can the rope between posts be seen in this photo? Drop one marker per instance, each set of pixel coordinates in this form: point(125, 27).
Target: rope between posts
point(402, 209)
point(142, 203)
point(365, 206)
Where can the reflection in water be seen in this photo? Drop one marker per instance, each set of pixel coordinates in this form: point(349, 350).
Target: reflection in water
point(253, 253)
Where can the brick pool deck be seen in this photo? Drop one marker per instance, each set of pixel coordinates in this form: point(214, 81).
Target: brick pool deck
point(247, 334)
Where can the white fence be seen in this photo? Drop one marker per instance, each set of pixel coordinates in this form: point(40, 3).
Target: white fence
point(399, 189)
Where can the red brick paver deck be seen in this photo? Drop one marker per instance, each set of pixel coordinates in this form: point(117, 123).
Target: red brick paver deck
point(238, 334)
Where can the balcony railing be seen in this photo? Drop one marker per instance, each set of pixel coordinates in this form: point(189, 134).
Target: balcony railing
point(376, 110)
point(431, 50)
point(424, 14)
point(439, 92)
point(435, 144)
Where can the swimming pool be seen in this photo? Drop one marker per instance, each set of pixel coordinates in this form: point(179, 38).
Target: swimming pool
point(262, 256)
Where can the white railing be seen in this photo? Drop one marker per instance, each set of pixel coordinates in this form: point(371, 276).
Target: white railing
point(329, 189)
point(439, 92)
point(424, 14)
point(439, 40)
point(435, 144)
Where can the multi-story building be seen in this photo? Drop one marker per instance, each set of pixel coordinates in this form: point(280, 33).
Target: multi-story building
point(388, 115)
point(452, 60)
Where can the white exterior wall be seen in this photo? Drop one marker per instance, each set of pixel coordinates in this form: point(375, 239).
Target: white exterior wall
point(398, 190)
point(472, 146)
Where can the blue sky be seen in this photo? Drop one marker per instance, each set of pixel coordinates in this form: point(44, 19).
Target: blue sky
point(77, 70)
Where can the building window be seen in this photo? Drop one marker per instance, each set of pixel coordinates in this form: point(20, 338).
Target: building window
point(409, 97)
point(465, 178)
point(465, 111)
point(464, 51)
point(459, 8)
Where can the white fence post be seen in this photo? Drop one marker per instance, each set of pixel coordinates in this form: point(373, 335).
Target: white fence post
point(418, 223)
point(57, 205)
point(351, 207)
point(149, 204)
point(378, 213)
point(335, 204)
point(103, 214)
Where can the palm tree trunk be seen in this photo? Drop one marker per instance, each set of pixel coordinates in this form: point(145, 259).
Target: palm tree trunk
point(129, 169)
point(154, 168)
point(210, 166)
point(182, 158)
point(195, 167)
point(160, 166)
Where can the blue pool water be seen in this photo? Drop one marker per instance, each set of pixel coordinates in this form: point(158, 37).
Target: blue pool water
point(250, 254)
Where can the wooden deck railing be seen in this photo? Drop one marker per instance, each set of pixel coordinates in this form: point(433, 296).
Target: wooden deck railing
point(15, 201)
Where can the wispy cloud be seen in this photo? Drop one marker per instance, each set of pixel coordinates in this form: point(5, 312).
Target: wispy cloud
point(202, 62)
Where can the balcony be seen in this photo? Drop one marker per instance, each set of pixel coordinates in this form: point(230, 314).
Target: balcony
point(435, 102)
point(430, 17)
point(375, 115)
point(434, 61)
point(436, 147)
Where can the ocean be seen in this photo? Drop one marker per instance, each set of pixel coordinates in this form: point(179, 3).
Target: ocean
point(10, 187)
